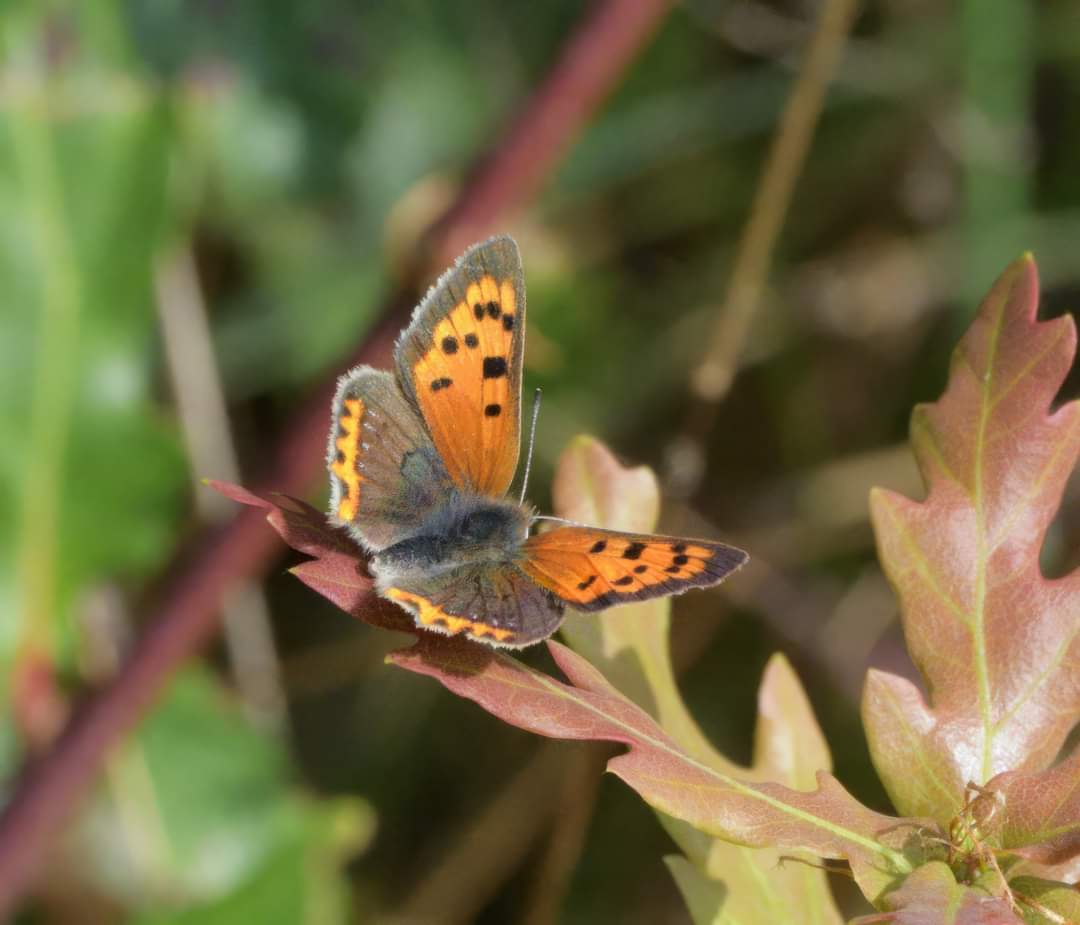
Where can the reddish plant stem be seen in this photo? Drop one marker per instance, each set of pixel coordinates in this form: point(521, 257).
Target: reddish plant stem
point(48, 791)
point(591, 64)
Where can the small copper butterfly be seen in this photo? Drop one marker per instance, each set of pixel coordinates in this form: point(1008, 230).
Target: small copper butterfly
point(420, 461)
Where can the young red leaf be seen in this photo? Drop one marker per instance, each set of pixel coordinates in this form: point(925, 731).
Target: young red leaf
point(997, 644)
point(337, 569)
point(931, 896)
point(1039, 813)
point(828, 821)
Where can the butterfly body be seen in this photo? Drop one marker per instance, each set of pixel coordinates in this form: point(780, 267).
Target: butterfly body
point(468, 530)
point(420, 461)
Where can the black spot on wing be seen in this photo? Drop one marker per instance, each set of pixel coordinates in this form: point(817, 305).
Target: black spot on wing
point(492, 410)
point(582, 585)
point(493, 310)
point(640, 569)
point(441, 383)
point(598, 546)
point(494, 367)
point(633, 551)
point(472, 341)
point(721, 562)
point(478, 311)
point(449, 345)
point(508, 322)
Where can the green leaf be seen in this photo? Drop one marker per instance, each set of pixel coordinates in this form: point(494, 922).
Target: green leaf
point(197, 811)
point(827, 822)
point(996, 643)
point(299, 882)
point(706, 899)
point(1046, 902)
point(83, 166)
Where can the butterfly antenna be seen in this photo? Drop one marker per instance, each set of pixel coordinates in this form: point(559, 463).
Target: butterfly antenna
point(532, 442)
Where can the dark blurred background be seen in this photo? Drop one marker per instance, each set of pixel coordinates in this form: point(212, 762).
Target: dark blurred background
point(207, 204)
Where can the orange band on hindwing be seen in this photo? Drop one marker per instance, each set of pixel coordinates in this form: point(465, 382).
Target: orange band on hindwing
point(348, 451)
point(432, 615)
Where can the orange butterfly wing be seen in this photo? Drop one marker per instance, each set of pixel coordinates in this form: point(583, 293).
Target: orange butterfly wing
point(460, 362)
point(591, 569)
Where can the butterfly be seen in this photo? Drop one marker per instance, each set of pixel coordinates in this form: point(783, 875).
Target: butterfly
point(420, 461)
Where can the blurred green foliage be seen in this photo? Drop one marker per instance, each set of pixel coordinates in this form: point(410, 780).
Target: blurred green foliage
point(296, 150)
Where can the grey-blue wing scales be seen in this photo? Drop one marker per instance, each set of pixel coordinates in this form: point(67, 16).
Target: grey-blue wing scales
point(385, 473)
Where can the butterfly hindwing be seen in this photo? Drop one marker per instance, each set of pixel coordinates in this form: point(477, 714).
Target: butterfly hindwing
point(459, 362)
point(591, 569)
point(492, 603)
point(385, 473)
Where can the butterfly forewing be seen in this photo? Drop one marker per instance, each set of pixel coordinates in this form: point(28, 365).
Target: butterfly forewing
point(592, 569)
point(385, 474)
point(460, 362)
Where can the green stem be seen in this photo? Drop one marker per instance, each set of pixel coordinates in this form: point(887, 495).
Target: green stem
point(998, 68)
point(52, 388)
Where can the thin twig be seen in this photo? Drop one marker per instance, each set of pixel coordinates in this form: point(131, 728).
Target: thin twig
point(204, 422)
point(495, 842)
point(592, 62)
point(714, 375)
point(772, 198)
point(49, 789)
point(576, 804)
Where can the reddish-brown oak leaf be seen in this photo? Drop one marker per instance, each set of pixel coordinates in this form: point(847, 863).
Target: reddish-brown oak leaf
point(997, 644)
point(1036, 814)
point(931, 896)
point(337, 569)
point(828, 821)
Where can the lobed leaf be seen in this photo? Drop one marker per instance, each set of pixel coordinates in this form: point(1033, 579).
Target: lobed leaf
point(931, 896)
point(1046, 902)
point(1039, 812)
point(721, 882)
point(997, 644)
point(764, 885)
point(828, 821)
